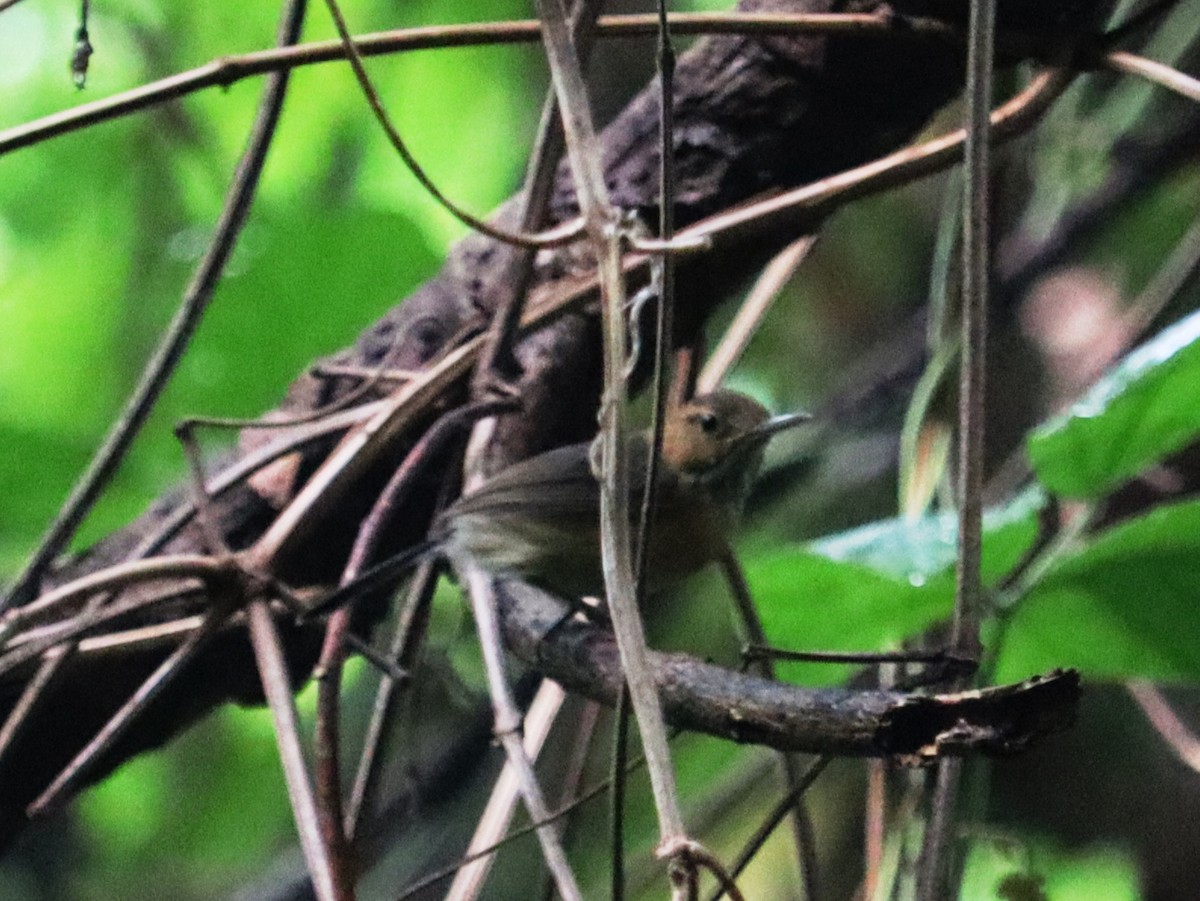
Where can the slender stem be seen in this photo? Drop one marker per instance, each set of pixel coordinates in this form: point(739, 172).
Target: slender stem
point(569, 791)
point(616, 541)
point(933, 876)
point(782, 807)
point(405, 646)
point(327, 747)
point(555, 237)
point(589, 794)
point(750, 315)
point(508, 726)
point(874, 827)
point(664, 320)
point(276, 682)
point(1159, 73)
point(1166, 722)
point(81, 764)
point(497, 357)
point(498, 813)
point(792, 769)
point(333, 654)
point(228, 70)
point(964, 639)
point(616, 808)
point(121, 575)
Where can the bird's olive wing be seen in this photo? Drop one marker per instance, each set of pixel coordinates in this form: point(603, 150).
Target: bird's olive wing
point(557, 483)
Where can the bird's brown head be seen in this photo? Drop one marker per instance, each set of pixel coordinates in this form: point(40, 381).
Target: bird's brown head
point(716, 441)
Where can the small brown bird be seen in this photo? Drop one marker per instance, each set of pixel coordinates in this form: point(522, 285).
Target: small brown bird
point(538, 520)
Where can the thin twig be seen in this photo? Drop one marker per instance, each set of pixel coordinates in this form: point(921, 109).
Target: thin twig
point(508, 725)
point(56, 637)
point(603, 223)
point(700, 858)
point(752, 625)
point(229, 70)
point(876, 809)
point(932, 863)
point(581, 747)
point(497, 363)
point(369, 378)
point(555, 237)
point(964, 641)
point(1159, 73)
point(1171, 277)
point(121, 575)
point(405, 646)
point(874, 827)
point(333, 653)
point(762, 652)
point(750, 315)
point(933, 876)
point(276, 682)
point(210, 530)
point(496, 359)
point(1166, 722)
point(808, 203)
point(664, 335)
point(245, 467)
point(327, 769)
point(493, 823)
point(782, 807)
point(616, 808)
point(170, 349)
point(588, 795)
point(664, 320)
point(81, 764)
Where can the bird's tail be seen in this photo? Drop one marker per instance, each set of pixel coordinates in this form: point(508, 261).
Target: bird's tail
point(382, 576)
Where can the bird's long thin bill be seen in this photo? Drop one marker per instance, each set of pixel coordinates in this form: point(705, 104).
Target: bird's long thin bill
point(780, 423)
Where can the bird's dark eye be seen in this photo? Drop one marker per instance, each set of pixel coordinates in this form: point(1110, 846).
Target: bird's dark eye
point(708, 422)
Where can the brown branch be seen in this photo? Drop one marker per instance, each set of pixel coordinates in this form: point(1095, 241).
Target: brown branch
point(747, 709)
point(228, 70)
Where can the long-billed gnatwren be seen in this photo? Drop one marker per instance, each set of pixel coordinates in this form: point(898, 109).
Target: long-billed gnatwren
point(538, 520)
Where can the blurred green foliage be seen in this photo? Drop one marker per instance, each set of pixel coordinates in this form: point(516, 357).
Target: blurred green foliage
point(1137, 414)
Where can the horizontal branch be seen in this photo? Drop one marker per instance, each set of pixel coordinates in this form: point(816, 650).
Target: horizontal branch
point(228, 70)
point(705, 698)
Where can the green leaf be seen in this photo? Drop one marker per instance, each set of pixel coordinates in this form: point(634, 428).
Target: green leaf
point(872, 587)
point(1124, 607)
point(811, 603)
point(918, 550)
point(1140, 412)
point(1031, 867)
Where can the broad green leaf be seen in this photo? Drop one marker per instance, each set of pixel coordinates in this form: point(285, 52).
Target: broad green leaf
point(1124, 607)
point(917, 550)
point(811, 603)
point(872, 587)
point(1141, 411)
